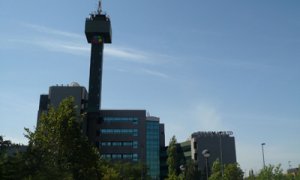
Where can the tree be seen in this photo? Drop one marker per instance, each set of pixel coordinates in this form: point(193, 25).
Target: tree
point(251, 175)
point(231, 171)
point(190, 171)
point(172, 160)
point(129, 170)
point(11, 167)
point(271, 172)
point(109, 173)
point(58, 149)
point(11, 164)
point(216, 171)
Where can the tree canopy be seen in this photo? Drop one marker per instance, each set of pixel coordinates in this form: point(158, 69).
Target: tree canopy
point(231, 171)
point(172, 159)
point(59, 149)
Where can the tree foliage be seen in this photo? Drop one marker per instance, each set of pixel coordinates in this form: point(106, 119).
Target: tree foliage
point(172, 159)
point(216, 171)
point(130, 171)
point(190, 171)
point(231, 172)
point(272, 172)
point(58, 148)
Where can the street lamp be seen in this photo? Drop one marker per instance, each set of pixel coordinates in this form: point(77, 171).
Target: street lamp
point(221, 154)
point(182, 169)
point(206, 155)
point(263, 153)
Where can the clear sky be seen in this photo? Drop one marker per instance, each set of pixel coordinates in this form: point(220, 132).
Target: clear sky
point(198, 65)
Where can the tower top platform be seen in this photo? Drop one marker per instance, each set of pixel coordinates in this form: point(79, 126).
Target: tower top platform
point(98, 27)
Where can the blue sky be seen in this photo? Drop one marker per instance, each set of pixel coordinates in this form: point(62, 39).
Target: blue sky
point(198, 65)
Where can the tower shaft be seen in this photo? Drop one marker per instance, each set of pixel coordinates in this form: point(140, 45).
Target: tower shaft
point(95, 80)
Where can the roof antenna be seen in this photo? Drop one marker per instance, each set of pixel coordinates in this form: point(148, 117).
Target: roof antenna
point(99, 7)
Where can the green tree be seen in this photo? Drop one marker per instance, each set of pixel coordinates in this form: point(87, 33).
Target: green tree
point(130, 171)
point(11, 167)
point(251, 175)
point(58, 149)
point(172, 160)
point(110, 173)
point(216, 171)
point(271, 172)
point(233, 172)
point(11, 164)
point(190, 172)
point(297, 176)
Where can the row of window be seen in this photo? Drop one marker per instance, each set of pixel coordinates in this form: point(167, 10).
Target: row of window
point(134, 156)
point(133, 132)
point(134, 120)
point(151, 127)
point(133, 144)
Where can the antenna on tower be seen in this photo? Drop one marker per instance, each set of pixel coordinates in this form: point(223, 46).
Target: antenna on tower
point(99, 7)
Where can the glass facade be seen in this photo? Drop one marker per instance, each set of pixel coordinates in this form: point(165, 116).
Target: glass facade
point(152, 145)
point(133, 144)
point(133, 120)
point(133, 157)
point(133, 132)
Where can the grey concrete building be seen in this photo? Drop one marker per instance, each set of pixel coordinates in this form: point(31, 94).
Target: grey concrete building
point(59, 92)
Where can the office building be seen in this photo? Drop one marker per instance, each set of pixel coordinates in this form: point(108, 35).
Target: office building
point(153, 136)
point(121, 135)
point(184, 150)
point(221, 145)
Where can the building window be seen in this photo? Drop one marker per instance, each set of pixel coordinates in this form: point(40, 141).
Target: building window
point(127, 156)
point(127, 143)
point(133, 120)
point(106, 156)
point(195, 145)
point(116, 143)
point(133, 132)
point(116, 156)
point(135, 157)
point(135, 144)
point(105, 143)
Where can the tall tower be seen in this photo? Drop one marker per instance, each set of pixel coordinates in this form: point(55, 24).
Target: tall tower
point(98, 32)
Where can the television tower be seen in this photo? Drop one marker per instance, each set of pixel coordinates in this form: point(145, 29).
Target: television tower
point(97, 31)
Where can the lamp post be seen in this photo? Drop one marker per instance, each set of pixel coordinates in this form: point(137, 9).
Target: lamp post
point(263, 153)
point(206, 155)
point(182, 169)
point(221, 154)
